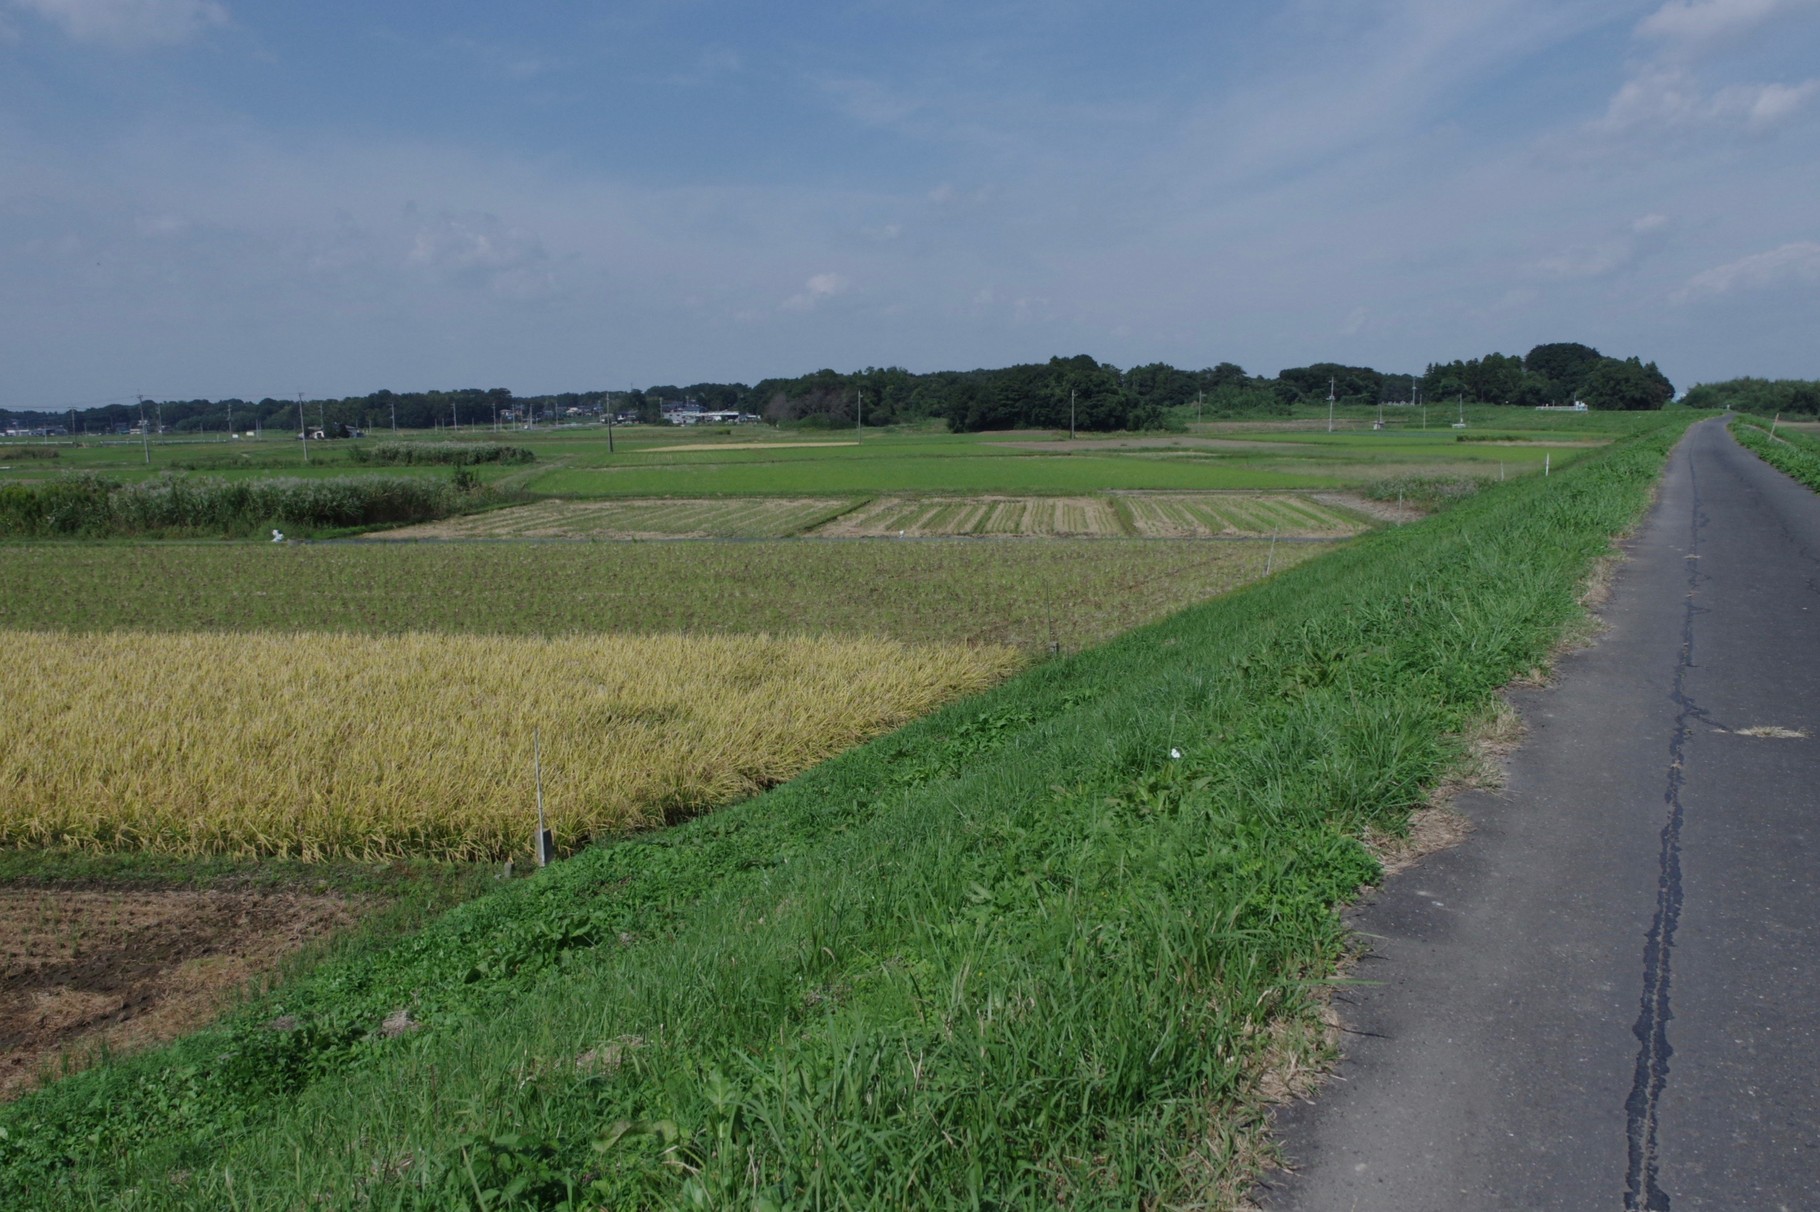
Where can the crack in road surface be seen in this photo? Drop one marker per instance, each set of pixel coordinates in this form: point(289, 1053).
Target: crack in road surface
point(1642, 1193)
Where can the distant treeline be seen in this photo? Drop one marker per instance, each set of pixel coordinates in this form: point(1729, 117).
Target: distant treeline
point(1098, 396)
point(1765, 397)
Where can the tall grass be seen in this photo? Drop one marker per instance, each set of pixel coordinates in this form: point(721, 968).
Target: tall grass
point(89, 506)
point(458, 453)
point(1019, 954)
point(318, 745)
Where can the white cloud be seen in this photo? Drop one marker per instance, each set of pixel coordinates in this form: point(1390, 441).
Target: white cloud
point(1697, 24)
point(1665, 97)
point(1760, 106)
point(818, 289)
point(479, 248)
point(1797, 262)
point(130, 24)
point(1606, 257)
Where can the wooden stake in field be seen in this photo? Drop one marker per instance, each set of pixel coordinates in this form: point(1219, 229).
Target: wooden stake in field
point(545, 844)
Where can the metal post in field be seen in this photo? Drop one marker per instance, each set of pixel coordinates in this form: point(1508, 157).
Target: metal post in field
point(143, 433)
point(1546, 459)
point(544, 842)
point(303, 429)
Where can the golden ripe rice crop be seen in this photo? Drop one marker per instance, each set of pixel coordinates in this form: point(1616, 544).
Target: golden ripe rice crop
point(324, 745)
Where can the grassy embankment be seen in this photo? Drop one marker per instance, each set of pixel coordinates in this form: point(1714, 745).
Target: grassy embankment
point(1016, 954)
point(1795, 454)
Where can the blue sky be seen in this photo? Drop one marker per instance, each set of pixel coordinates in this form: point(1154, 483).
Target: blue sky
point(230, 197)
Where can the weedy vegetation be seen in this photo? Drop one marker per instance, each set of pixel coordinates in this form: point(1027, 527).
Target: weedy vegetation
point(1018, 953)
point(91, 506)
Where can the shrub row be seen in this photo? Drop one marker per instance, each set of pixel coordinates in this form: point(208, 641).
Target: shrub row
point(89, 506)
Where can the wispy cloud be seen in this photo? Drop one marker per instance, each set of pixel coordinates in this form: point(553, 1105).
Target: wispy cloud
point(1696, 25)
point(130, 24)
point(1611, 255)
point(1797, 262)
point(816, 291)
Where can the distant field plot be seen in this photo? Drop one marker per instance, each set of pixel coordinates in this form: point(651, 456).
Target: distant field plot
point(320, 745)
point(1071, 592)
point(987, 515)
point(1160, 516)
point(1144, 515)
point(733, 518)
point(839, 473)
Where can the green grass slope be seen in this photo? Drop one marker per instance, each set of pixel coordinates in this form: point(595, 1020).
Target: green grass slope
point(1016, 955)
point(1794, 454)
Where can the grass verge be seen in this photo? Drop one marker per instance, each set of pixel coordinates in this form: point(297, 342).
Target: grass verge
point(1018, 954)
point(1795, 454)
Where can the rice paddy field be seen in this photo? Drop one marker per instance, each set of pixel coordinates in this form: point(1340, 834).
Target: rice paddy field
point(664, 518)
point(315, 745)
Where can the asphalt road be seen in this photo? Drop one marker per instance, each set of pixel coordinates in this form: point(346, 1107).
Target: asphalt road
point(1609, 996)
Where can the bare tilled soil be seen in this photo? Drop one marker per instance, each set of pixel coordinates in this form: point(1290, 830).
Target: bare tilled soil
point(81, 970)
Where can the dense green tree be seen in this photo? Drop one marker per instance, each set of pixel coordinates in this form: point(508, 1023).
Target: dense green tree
point(1564, 367)
point(1628, 385)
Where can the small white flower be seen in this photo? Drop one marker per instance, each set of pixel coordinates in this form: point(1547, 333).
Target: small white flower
point(1175, 753)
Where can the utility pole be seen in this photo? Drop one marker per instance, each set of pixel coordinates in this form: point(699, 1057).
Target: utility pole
point(1197, 406)
point(395, 416)
point(1329, 405)
point(1071, 414)
point(859, 415)
point(145, 435)
point(607, 400)
point(303, 430)
point(230, 422)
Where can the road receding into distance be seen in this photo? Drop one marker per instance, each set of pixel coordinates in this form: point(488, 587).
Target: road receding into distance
point(1609, 995)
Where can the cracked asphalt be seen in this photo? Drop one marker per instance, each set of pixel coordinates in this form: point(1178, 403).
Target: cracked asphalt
point(1609, 995)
